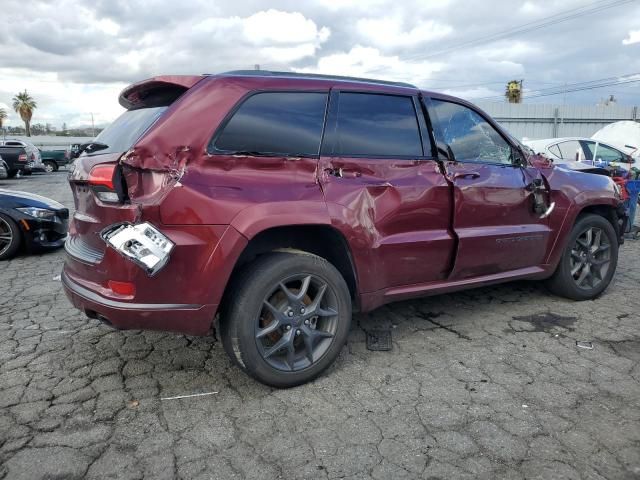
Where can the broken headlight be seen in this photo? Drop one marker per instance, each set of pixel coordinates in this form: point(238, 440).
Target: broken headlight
point(143, 244)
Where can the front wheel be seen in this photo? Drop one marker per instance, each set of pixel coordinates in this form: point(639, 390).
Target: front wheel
point(10, 238)
point(287, 318)
point(589, 260)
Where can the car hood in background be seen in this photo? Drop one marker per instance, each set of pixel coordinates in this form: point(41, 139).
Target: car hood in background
point(580, 167)
point(13, 199)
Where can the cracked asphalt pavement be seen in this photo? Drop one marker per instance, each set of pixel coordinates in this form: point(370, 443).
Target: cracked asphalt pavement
point(482, 384)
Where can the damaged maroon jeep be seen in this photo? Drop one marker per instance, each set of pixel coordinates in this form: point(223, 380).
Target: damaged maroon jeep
point(271, 205)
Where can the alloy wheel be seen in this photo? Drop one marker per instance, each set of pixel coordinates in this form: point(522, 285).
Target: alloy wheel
point(6, 235)
point(590, 258)
point(297, 322)
point(48, 167)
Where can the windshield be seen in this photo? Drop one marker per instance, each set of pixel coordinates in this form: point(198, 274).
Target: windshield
point(121, 135)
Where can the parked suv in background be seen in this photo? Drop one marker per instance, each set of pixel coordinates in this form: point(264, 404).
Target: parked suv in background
point(34, 159)
point(279, 202)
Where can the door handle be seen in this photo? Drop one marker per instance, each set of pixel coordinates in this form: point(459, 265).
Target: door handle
point(341, 173)
point(466, 175)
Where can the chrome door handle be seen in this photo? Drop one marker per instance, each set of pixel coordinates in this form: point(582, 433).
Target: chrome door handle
point(466, 175)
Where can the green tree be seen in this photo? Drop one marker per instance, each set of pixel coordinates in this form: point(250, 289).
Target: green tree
point(24, 105)
point(3, 116)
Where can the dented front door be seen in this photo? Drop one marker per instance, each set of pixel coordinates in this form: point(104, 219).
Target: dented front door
point(393, 208)
point(499, 225)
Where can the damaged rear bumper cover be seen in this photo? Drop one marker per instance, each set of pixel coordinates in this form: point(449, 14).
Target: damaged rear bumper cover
point(190, 319)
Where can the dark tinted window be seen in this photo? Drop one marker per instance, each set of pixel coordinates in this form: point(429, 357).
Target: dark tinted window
point(276, 123)
point(125, 130)
point(469, 135)
point(377, 125)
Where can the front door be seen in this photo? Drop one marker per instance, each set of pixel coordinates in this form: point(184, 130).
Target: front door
point(494, 219)
point(385, 191)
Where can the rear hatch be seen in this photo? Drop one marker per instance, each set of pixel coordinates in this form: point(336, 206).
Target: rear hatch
point(98, 181)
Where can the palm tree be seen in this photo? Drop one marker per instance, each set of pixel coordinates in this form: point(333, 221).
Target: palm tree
point(24, 104)
point(3, 116)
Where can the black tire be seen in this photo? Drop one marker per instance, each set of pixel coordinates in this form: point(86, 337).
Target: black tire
point(314, 344)
point(50, 166)
point(27, 172)
point(9, 228)
point(12, 173)
point(578, 260)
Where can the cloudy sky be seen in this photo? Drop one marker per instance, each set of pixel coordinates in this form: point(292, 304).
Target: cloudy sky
point(74, 56)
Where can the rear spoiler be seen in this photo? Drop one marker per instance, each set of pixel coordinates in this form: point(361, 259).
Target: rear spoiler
point(157, 91)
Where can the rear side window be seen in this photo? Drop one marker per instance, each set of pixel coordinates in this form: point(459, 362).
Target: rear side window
point(125, 130)
point(376, 125)
point(275, 123)
point(555, 150)
point(571, 150)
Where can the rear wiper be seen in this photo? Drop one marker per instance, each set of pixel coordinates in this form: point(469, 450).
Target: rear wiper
point(92, 147)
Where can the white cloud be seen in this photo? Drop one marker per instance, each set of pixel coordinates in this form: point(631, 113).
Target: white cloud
point(368, 61)
point(634, 37)
point(61, 101)
point(390, 32)
point(274, 26)
point(108, 26)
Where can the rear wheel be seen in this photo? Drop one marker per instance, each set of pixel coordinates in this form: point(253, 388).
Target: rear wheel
point(12, 173)
point(287, 319)
point(589, 260)
point(50, 166)
point(10, 237)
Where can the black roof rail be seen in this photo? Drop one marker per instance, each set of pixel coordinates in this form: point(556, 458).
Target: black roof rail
point(318, 76)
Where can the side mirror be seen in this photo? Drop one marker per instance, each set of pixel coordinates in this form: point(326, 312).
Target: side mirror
point(518, 157)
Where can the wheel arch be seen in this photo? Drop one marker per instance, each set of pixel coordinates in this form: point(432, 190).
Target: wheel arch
point(608, 211)
point(319, 239)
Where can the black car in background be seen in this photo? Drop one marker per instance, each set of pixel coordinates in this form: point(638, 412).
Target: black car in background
point(30, 222)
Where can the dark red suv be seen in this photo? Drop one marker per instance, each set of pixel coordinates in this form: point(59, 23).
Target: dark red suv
point(273, 204)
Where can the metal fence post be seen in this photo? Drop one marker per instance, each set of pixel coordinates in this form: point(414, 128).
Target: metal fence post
point(555, 122)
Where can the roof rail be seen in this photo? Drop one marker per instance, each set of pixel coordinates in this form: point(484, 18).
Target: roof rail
point(318, 76)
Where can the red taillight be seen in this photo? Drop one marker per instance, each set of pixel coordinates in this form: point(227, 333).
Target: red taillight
point(122, 288)
point(22, 157)
point(102, 175)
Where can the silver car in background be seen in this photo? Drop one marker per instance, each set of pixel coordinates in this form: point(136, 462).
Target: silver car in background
point(579, 153)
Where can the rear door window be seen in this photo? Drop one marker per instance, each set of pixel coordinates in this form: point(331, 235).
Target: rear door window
point(376, 125)
point(555, 150)
point(275, 123)
point(571, 150)
point(125, 130)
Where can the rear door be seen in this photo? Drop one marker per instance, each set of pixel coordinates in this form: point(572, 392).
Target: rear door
point(384, 189)
point(494, 218)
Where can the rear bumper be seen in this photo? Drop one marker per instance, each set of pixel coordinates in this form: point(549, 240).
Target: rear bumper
point(182, 297)
point(189, 319)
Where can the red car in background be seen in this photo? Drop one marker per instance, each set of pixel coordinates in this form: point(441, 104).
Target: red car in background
point(271, 205)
